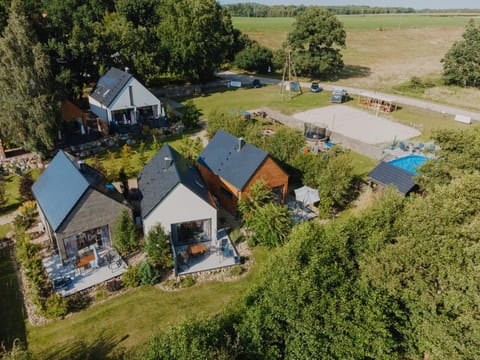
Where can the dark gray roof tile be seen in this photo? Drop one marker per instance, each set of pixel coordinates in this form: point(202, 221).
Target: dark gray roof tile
point(162, 173)
point(110, 85)
point(388, 174)
point(232, 158)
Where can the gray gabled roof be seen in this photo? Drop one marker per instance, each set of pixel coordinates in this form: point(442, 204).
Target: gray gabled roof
point(63, 183)
point(232, 158)
point(110, 85)
point(162, 173)
point(388, 174)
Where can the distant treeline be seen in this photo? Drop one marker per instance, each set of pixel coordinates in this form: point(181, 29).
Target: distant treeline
point(259, 10)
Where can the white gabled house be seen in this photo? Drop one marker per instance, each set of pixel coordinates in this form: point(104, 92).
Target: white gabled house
point(121, 99)
point(175, 196)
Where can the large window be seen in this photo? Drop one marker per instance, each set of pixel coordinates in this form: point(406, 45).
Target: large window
point(99, 236)
point(192, 232)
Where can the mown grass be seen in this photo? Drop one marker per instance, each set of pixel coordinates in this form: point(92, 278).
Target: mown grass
point(11, 300)
point(126, 322)
point(12, 182)
point(268, 96)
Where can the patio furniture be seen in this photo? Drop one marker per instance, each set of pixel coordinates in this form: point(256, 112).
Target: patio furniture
point(197, 249)
point(85, 260)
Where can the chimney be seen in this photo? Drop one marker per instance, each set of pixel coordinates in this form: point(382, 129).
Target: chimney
point(240, 144)
point(166, 163)
point(127, 69)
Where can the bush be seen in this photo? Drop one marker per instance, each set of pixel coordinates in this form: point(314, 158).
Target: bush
point(125, 234)
point(55, 306)
point(158, 248)
point(78, 302)
point(237, 270)
point(254, 58)
point(148, 274)
point(131, 278)
point(187, 281)
point(114, 285)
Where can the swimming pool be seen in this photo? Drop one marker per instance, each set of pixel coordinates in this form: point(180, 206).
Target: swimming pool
point(409, 163)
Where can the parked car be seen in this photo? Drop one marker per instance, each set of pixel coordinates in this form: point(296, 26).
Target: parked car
point(339, 96)
point(62, 282)
point(315, 87)
point(256, 83)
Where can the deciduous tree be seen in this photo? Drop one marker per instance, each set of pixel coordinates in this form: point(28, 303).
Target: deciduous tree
point(316, 41)
point(461, 64)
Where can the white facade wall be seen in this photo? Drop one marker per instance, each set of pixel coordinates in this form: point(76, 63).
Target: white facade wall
point(100, 110)
point(181, 205)
point(142, 97)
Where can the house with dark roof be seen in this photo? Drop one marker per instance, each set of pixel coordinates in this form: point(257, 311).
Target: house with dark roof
point(119, 98)
point(175, 196)
point(385, 174)
point(77, 206)
point(230, 166)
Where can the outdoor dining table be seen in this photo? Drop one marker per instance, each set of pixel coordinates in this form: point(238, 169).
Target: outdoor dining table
point(85, 260)
point(197, 249)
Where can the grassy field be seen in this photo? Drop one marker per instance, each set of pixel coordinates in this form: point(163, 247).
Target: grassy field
point(11, 300)
point(126, 322)
point(249, 99)
point(385, 50)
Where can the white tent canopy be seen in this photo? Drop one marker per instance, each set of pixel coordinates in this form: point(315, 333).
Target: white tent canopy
point(306, 195)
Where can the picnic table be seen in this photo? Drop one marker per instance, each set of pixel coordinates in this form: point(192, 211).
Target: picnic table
point(197, 249)
point(85, 260)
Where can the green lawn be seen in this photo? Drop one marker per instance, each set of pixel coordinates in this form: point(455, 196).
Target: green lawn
point(249, 99)
point(12, 182)
point(11, 299)
point(126, 322)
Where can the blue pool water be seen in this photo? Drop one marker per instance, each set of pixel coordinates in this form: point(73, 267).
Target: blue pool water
point(409, 163)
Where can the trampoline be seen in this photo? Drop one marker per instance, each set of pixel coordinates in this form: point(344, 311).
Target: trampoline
point(409, 163)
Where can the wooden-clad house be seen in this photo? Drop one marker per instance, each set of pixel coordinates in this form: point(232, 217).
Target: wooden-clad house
point(230, 166)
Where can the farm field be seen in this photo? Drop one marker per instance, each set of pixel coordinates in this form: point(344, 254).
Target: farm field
point(385, 50)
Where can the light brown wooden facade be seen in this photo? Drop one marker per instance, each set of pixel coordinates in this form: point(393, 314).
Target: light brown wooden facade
point(228, 195)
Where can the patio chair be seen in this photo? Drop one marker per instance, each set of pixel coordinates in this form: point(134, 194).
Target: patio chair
point(402, 146)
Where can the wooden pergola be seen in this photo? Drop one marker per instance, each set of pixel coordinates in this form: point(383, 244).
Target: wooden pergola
point(377, 102)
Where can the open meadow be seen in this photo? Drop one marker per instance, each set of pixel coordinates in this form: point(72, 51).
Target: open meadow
point(385, 50)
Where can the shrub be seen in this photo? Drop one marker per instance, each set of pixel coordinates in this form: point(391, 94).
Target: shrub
point(254, 58)
point(237, 270)
point(55, 306)
point(187, 281)
point(25, 187)
point(114, 285)
point(148, 274)
point(131, 278)
point(125, 235)
point(158, 248)
point(78, 302)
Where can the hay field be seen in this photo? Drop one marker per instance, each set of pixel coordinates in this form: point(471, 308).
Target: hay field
point(385, 50)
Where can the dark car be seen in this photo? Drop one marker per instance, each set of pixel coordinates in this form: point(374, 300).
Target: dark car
point(62, 282)
point(339, 96)
point(315, 87)
point(256, 83)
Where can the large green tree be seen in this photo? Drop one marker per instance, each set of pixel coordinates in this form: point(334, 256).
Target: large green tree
point(316, 41)
point(461, 64)
point(197, 35)
point(28, 103)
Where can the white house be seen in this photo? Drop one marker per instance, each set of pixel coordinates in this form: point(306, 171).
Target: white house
point(175, 196)
point(120, 98)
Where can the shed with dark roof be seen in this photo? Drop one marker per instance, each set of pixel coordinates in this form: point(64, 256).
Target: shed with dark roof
point(230, 166)
point(386, 174)
point(118, 97)
point(174, 194)
point(73, 199)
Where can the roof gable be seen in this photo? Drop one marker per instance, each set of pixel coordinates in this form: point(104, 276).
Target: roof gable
point(232, 158)
point(162, 173)
point(62, 185)
point(388, 174)
point(110, 85)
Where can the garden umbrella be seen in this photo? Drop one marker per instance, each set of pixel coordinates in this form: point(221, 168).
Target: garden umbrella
point(307, 195)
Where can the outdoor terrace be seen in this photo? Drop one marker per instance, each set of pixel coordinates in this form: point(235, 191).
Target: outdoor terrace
point(205, 256)
point(110, 266)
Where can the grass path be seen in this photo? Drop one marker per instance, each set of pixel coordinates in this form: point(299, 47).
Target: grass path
point(126, 322)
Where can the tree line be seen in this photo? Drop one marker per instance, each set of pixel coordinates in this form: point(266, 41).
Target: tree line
point(259, 10)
